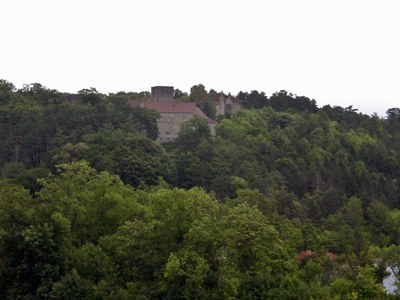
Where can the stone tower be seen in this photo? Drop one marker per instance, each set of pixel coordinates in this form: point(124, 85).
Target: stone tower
point(162, 93)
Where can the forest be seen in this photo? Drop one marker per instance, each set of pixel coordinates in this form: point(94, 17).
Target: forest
point(287, 200)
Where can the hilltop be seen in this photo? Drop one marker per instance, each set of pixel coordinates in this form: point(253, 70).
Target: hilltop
point(275, 199)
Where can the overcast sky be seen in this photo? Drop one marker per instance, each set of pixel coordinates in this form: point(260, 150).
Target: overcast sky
point(337, 52)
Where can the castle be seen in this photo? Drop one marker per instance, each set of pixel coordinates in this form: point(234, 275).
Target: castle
point(173, 114)
point(225, 105)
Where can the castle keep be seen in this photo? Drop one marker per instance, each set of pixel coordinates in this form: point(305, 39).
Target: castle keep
point(172, 114)
point(162, 93)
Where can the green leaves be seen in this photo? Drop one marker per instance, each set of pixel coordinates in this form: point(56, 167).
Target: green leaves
point(273, 183)
point(199, 95)
point(189, 240)
point(94, 203)
point(192, 132)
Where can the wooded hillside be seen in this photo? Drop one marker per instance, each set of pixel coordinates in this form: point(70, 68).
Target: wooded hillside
point(287, 201)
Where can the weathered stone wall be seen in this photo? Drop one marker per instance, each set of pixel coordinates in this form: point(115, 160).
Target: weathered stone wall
point(169, 126)
point(220, 106)
point(236, 107)
point(162, 93)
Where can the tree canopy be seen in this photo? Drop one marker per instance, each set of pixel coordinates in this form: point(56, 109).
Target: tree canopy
point(286, 201)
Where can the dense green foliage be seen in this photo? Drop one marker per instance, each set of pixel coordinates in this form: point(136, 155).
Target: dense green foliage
point(92, 208)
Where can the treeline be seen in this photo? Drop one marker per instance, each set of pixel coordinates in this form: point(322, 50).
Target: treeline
point(279, 101)
point(287, 201)
point(40, 128)
point(86, 235)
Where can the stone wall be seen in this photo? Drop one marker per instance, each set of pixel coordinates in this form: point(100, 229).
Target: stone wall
point(220, 106)
point(169, 125)
point(162, 93)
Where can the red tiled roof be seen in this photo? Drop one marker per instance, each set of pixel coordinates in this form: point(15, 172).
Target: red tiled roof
point(331, 255)
point(234, 99)
point(305, 253)
point(215, 96)
point(172, 107)
point(201, 113)
point(168, 107)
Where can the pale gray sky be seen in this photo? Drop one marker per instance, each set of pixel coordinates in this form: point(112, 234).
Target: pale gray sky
point(338, 52)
